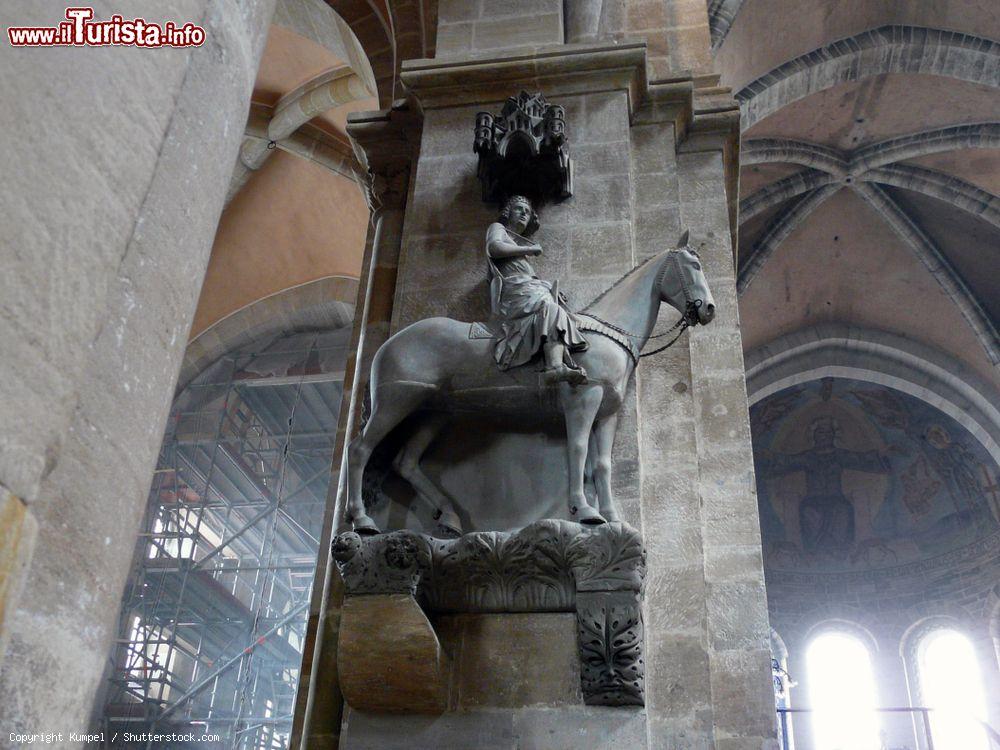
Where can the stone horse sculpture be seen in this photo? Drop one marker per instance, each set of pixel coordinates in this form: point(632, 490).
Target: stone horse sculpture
point(434, 367)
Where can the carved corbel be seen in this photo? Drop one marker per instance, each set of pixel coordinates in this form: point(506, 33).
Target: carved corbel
point(386, 143)
point(610, 636)
point(388, 656)
point(548, 566)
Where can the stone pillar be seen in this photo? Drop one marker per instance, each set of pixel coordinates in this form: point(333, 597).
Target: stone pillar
point(388, 141)
point(465, 26)
point(650, 161)
point(115, 175)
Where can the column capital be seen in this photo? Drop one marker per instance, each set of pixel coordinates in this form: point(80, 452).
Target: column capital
point(386, 142)
point(560, 69)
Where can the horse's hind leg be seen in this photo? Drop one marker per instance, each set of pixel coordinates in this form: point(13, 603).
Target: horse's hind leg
point(391, 404)
point(407, 464)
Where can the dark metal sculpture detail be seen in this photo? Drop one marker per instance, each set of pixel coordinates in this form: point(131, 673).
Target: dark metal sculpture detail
point(522, 150)
point(549, 566)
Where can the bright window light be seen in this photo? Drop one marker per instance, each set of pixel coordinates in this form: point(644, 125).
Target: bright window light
point(842, 693)
point(949, 677)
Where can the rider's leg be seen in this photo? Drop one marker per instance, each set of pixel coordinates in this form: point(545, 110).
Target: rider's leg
point(554, 353)
point(556, 368)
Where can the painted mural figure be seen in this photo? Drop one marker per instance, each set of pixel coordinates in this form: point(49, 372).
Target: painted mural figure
point(826, 516)
point(956, 465)
point(532, 314)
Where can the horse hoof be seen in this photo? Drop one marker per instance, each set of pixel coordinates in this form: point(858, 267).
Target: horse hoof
point(447, 532)
point(586, 515)
point(365, 526)
point(448, 524)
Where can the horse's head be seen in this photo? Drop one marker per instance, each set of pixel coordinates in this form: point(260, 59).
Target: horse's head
point(684, 287)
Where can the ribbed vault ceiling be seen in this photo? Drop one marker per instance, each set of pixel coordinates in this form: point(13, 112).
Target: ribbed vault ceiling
point(870, 170)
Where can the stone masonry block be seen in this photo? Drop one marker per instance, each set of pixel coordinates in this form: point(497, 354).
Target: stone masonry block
point(451, 731)
point(510, 33)
point(679, 667)
point(737, 617)
point(580, 727)
point(675, 597)
point(512, 660)
point(600, 248)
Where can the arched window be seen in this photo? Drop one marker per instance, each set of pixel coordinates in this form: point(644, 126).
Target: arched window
point(213, 621)
point(950, 684)
point(842, 693)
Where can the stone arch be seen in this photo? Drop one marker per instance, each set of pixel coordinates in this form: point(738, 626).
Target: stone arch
point(945, 618)
point(827, 169)
point(778, 647)
point(721, 14)
point(824, 166)
point(924, 142)
point(371, 22)
point(840, 624)
point(837, 350)
point(323, 303)
point(886, 49)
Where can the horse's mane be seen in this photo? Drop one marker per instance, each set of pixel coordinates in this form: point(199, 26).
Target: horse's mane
point(620, 281)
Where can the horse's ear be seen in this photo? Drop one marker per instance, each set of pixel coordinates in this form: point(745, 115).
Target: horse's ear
point(682, 242)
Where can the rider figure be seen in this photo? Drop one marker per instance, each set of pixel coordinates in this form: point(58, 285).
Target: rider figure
point(532, 315)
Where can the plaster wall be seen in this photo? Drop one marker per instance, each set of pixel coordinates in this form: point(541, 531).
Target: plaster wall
point(112, 207)
point(321, 233)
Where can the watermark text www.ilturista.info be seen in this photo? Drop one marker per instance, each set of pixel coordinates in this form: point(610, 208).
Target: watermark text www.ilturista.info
point(81, 30)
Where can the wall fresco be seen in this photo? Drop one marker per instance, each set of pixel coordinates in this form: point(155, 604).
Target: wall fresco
point(854, 476)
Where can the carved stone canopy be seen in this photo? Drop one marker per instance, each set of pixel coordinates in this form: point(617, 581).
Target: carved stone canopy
point(522, 151)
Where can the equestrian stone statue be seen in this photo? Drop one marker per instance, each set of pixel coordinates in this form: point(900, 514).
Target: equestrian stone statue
point(435, 369)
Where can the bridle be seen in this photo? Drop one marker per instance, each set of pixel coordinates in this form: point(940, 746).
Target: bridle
point(688, 318)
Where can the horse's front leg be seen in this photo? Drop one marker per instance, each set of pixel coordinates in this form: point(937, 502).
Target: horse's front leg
point(580, 406)
point(603, 442)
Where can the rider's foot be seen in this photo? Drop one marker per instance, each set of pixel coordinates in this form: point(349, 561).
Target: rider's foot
point(565, 374)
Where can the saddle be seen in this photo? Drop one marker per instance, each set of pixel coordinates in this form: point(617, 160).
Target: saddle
point(486, 330)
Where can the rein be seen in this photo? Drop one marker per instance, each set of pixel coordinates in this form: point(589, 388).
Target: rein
point(683, 324)
point(690, 313)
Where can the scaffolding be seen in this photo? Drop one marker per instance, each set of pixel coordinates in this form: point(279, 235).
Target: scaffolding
point(214, 615)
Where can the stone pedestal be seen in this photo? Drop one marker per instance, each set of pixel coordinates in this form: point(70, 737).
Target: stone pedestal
point(651, 160)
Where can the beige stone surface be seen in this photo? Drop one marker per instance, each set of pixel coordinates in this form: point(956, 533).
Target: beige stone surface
point(112, 207)
point(17, 537)
point(389, 658)
point(512, 660)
